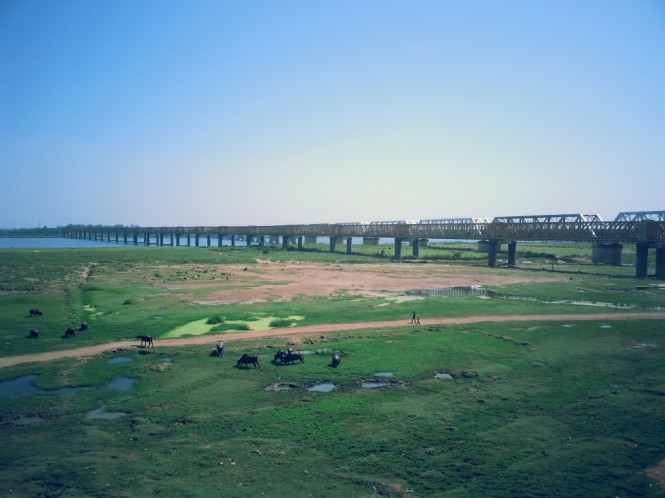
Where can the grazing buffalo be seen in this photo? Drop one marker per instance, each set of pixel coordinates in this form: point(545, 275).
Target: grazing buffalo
point(248, 359)
point(292, 357)
point(34, 334)
point(279, 357)
point(70, 332)
point(220, 348)
point(146, 340)
point(35, 312)
point(83, 326)
point(336, 360)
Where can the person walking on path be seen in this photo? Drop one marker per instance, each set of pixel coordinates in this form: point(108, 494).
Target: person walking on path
point(413, 318)
point(417, 320)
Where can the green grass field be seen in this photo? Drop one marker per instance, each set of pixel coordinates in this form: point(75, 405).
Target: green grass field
point(560, 408)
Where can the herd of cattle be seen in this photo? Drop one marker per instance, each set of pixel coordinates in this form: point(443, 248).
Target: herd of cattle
point(69, 332)
point(281, 357)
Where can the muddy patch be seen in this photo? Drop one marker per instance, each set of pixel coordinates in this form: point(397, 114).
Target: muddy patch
point(102, 413)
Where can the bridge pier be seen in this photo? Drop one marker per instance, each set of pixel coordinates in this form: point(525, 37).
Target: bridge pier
point(493, 246)
point(512, 253)
point(416, 248)
point(660, 262)
point(233, 240)
point(300, 239)
point(349, 244)
point(398, 248)
point(285, 242)
point(607, 253)
point(333, 243)
point(641, 260)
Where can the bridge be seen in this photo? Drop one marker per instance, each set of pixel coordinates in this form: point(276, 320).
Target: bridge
point(645, 229)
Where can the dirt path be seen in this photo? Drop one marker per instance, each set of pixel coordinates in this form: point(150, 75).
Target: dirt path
point(11, 361)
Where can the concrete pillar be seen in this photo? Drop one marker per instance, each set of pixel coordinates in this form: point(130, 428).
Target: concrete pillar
point(300, 239)
point(512, 253)
point(285, 241)
point(172, 239)
point(349, 245)
point(197, 237)
point(233, 240)
point(493, 246)
point(248, 240)
point(641, 260)
point(416, 247)
point(146, 238)
point(262, 240)
point(660, 263)
point(220, 239)
point(333, 243)
point(135, 237)
point(125, 237)
point(398, 248)
point(160, 239)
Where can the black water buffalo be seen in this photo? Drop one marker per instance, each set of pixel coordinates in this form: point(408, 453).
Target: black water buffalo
point(146, 340)
point(220, 348)
point(35, 312)
point(336, 360)
point(279, 356)
point(83, 326)
point(70, 332)
point(248, 359)
point(292, 357)
point(34, 334)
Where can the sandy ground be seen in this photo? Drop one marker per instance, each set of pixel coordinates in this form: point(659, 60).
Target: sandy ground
point(312, 330)
point(271, 281)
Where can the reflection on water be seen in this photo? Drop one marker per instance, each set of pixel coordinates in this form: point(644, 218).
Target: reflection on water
point(322, 388)
point(23, 385)
point(119, 359)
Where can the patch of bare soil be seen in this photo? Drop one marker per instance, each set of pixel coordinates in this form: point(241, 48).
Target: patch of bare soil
point(657, 473)
point(271, 281)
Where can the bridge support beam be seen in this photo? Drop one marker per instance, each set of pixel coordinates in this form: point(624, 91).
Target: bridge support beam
point(416, 248)
point(641, 260)
point(300, 242)
point(493, 246)
point(660, 263)
point(398, 248)
point(349, 244)
point(333, 243)
point(285, 242)
point(512, 253)
point(233, 240)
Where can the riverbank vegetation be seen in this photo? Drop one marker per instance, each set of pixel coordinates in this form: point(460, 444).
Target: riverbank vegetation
point(558, 408)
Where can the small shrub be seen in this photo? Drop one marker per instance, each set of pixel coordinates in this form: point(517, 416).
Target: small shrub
point(128, 301)
point(281, 323)
point(215, 319)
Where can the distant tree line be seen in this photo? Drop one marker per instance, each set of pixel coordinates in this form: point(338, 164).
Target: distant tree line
point(53, 232)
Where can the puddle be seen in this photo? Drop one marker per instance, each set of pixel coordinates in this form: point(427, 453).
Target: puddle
point(121, 384)
point(568, 325)
point(372, 385)
point(605, 326)
point(322, 388)
point(103, 413)
point(383, 374)
point(28, 420)
point(23, 385)
point(443, 376)
point(119, 359)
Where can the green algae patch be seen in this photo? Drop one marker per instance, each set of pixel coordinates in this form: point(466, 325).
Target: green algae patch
point(202, 327)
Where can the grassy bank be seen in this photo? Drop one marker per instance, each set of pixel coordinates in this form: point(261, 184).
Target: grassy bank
point(522, 409)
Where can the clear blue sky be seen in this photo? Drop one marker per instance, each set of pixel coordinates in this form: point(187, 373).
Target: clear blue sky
point(161, 113)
